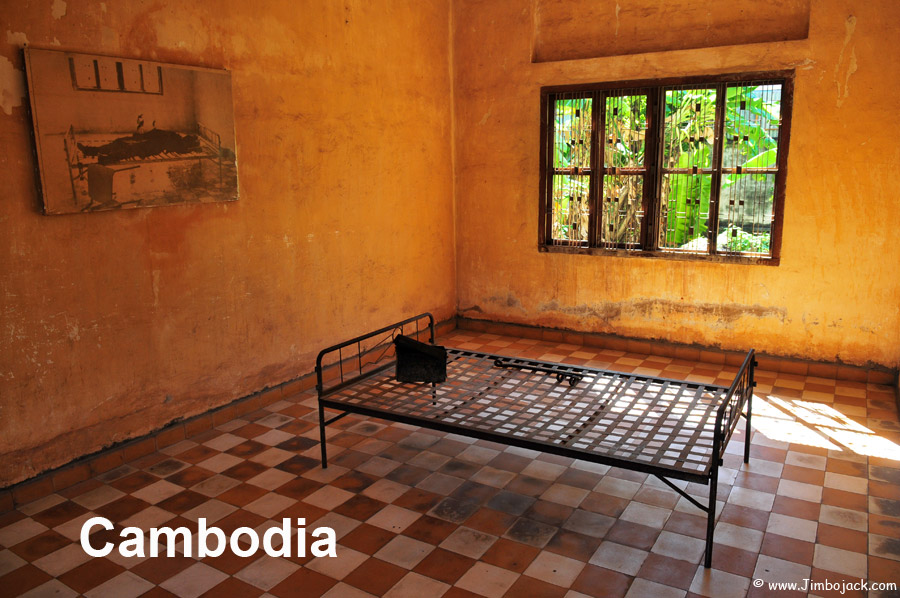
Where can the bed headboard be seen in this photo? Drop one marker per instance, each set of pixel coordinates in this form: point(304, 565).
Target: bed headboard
point(366, 355)
point(209, 135)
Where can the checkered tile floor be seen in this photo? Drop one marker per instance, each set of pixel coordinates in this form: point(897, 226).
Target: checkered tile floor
point(419, 513)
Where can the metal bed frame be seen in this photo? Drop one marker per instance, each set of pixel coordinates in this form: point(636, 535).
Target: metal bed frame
point(672, 429)
point(210, 149)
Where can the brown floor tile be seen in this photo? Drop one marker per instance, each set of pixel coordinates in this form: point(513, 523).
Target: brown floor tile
point(250, 430)
point(80, 488)
point(802, 509)
point(669, 571)
point(755, 481)
point(455, 592)
point(22, 580)
point(603, 504)
point(548, 512)
point(614, 584)
point(190, 477)
point(789, 549)
point(473, 492)
point(688, 525)
point(656, 497)
point(158, 592)
point(197, 454)
point(232, 588)
point(298, 444)
point(134, 481)
point(368, 539)
point(841, 537)
point(626, 474)
point(885, 526)
point(511, 502)
point(245, 470)
point(490, 521)
point(167, 467)
point(122, 508)
point(408, 474)
point(579, 478)
point(429, 529)
point(10, 517)
point(444, 565)
point(889, 490)
point(89, 575)
point(231, 563)
point(40, 545)
point(159, 569)
point(523, 484)
point(573, 545)
point(418, 500)
point(511, 555)
point(633, 534)
point(375, 576)
point(354, 481)
point(299, 488)
point(883, 570)
point(448, 447)
point(744, 517)
point(303, 583)
point(734, 560)
point(360, 507)
point(803, 474)
point(509, 462)
point(454, 510)
point(57, 514)
point(184, 501)
point(300, 510)
point(247, 449)
point(845, 467)
point(843, 499)
point(534, 588)
point(529, 531)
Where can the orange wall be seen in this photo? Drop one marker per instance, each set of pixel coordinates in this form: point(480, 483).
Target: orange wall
point(374, 185)
point(114, 323)
point(836, 294)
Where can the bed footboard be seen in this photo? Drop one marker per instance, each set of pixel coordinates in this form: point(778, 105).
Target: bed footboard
point(737, 402)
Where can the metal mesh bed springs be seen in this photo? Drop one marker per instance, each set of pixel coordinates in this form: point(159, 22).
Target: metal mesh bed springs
point(672, 429)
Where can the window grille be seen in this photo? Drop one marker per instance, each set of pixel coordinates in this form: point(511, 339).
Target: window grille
point(691, 167)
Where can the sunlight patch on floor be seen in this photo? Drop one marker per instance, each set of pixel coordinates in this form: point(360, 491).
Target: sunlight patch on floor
point(820, 425)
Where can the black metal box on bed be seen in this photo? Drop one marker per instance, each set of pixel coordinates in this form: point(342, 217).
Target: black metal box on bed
point(672, 429)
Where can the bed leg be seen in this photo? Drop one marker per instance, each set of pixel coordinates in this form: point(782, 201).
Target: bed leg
point(748, 432)
point(322, 435)
point(711, 516)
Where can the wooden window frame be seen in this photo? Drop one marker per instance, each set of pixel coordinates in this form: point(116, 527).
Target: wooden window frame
point(649, 233)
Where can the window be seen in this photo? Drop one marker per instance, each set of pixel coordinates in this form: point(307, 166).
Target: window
point(690, 168)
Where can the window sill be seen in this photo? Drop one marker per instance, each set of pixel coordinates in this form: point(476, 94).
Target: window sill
point(666, 255)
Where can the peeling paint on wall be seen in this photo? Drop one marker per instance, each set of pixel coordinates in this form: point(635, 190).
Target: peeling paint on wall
point(12, 85)
point(16, 38)
point(845, 66)
point(713, 315)
point(58, 9)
